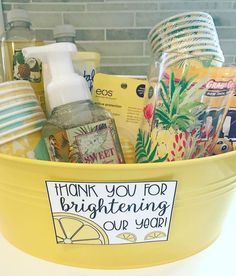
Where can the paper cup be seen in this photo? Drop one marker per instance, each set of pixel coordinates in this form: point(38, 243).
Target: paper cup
point(192, 33)
point(21, 119)
point(203, 32)
point(15, 106)
point(14, 84)
point(184, 44)
point(184, 34)
point(195, 37)
point(15, 92)
point(22, 146)
point(181, 43)
point(178, 17)
point(183, 25)
point(183, 16)
point(18, 99)
point(24, 85)
point(11, 112)
point(17, 129)
point(185, 29)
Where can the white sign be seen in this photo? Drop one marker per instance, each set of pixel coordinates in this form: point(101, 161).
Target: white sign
point(111, 213)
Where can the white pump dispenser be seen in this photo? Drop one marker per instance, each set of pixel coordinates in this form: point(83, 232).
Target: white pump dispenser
point(64, 85)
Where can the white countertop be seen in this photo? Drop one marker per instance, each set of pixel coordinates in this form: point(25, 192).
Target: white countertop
point(217, 260)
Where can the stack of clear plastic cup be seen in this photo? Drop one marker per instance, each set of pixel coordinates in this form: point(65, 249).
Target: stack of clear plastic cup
point(193, 33)
point(21, 119)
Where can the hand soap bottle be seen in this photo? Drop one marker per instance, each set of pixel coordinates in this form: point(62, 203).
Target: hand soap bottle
point(78, 130)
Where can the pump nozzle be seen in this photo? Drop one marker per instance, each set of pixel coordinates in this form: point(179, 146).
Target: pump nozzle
point(65, 86)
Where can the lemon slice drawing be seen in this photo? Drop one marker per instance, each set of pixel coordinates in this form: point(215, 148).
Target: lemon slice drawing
point(74, 229)
point(154, 235)
point(127, 236)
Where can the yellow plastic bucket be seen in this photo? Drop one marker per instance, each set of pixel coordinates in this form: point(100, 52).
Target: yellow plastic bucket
point(204, 191)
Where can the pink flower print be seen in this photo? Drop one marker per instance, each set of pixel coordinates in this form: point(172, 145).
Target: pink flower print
point(148, 111)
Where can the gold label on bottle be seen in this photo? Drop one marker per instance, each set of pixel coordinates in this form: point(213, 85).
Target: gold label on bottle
point(26, 69)
point(91, 143)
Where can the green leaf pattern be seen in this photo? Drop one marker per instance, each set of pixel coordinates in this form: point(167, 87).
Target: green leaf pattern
point(181, 106)
point(144, 151)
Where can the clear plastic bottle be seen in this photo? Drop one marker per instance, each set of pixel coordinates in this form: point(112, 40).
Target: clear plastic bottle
point(19, 35)
point(86, 63)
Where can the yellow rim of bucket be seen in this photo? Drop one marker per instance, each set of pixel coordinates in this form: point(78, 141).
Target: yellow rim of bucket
point(169, 165)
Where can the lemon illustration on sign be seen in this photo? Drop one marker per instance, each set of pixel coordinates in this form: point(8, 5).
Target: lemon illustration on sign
point(127, 236)
point(155, 235)
point(74, 229)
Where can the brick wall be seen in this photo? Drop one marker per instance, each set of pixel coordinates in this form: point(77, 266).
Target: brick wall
point(118, 29)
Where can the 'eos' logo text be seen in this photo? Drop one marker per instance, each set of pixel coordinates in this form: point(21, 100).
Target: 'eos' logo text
point(104, 92)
